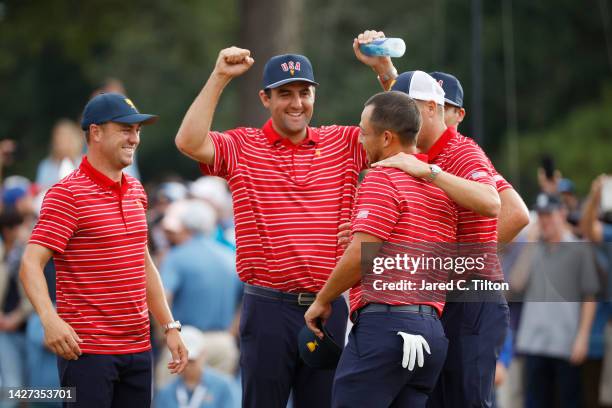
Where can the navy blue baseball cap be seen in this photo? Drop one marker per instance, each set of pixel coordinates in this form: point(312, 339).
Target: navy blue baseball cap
point(113, 107)
point(286, 68)
point(453, 91)
point(318, 353)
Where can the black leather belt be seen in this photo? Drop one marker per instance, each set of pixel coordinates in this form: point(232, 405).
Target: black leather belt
point(377, 307)
point(301, 299)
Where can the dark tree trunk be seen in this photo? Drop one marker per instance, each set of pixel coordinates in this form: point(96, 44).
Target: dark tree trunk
point(268, 28)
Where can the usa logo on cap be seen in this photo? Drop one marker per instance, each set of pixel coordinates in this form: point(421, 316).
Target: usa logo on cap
point(286, 68)
point(291, 67)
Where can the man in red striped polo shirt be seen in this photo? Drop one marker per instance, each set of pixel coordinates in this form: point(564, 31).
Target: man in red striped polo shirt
point(409, 215)
point(292, 185)
point(459, 166)
point(93, 224)
point(475, 324)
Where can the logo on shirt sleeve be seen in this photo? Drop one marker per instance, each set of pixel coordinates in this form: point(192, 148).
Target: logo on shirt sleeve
point(362, 214)
point(478, 175)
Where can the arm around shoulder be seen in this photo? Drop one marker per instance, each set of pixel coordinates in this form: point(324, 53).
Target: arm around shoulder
point(481, 198)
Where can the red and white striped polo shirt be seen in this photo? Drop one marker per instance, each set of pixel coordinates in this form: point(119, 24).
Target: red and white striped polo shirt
point(98, 232)
point(462, 157)
point(401, 209)
point(288, 201)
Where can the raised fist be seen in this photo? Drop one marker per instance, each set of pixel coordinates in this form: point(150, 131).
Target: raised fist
point(233, 62)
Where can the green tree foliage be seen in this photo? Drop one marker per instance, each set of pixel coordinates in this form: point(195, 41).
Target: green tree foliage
point(579, 144)
point(54, 53)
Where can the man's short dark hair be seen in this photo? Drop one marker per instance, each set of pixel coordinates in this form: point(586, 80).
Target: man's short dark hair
point(397, 112)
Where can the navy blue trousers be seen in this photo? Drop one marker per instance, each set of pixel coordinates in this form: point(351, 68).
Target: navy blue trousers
point(269, 361)
point(370, 372)
point(109, 380)
point(476, 333)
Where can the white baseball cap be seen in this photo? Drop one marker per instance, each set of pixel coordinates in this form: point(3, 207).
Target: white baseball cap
point(419, 85)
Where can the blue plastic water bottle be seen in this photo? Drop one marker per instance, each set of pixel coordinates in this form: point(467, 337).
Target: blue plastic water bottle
point(384, 47)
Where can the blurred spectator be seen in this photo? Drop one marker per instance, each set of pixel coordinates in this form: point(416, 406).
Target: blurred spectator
point(67, 142)
point(198, 386)
point(7, 148)
point(214, 191)
point(165, 194)
point(601, 233)
point(509, 390)
point(571, 203)
point(200, 279)
point(14, 306)
point(555, 325)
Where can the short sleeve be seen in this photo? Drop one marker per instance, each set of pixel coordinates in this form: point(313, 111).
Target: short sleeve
point(359, 155)
point(500, 182)
point(227, 154)
point(377, 209)
point(58, 220)
point(470, 162)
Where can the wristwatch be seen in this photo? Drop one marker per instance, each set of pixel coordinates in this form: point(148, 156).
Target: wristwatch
point(172, 325)
point(435, 170)
point(388, 76)
point(387, 80)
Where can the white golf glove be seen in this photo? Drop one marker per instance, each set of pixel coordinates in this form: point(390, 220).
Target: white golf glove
point(413, 350)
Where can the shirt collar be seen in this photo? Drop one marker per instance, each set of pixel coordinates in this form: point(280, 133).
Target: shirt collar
point(102, 180)
point(441, 143)
point(312, 135)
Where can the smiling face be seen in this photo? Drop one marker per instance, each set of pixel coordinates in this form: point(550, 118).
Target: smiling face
point(118, 143)
point(291, 107)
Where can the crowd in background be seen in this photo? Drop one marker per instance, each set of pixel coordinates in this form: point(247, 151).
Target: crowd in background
point(554, 350)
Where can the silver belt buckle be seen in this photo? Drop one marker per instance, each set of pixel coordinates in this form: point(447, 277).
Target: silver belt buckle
point(305, 299)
